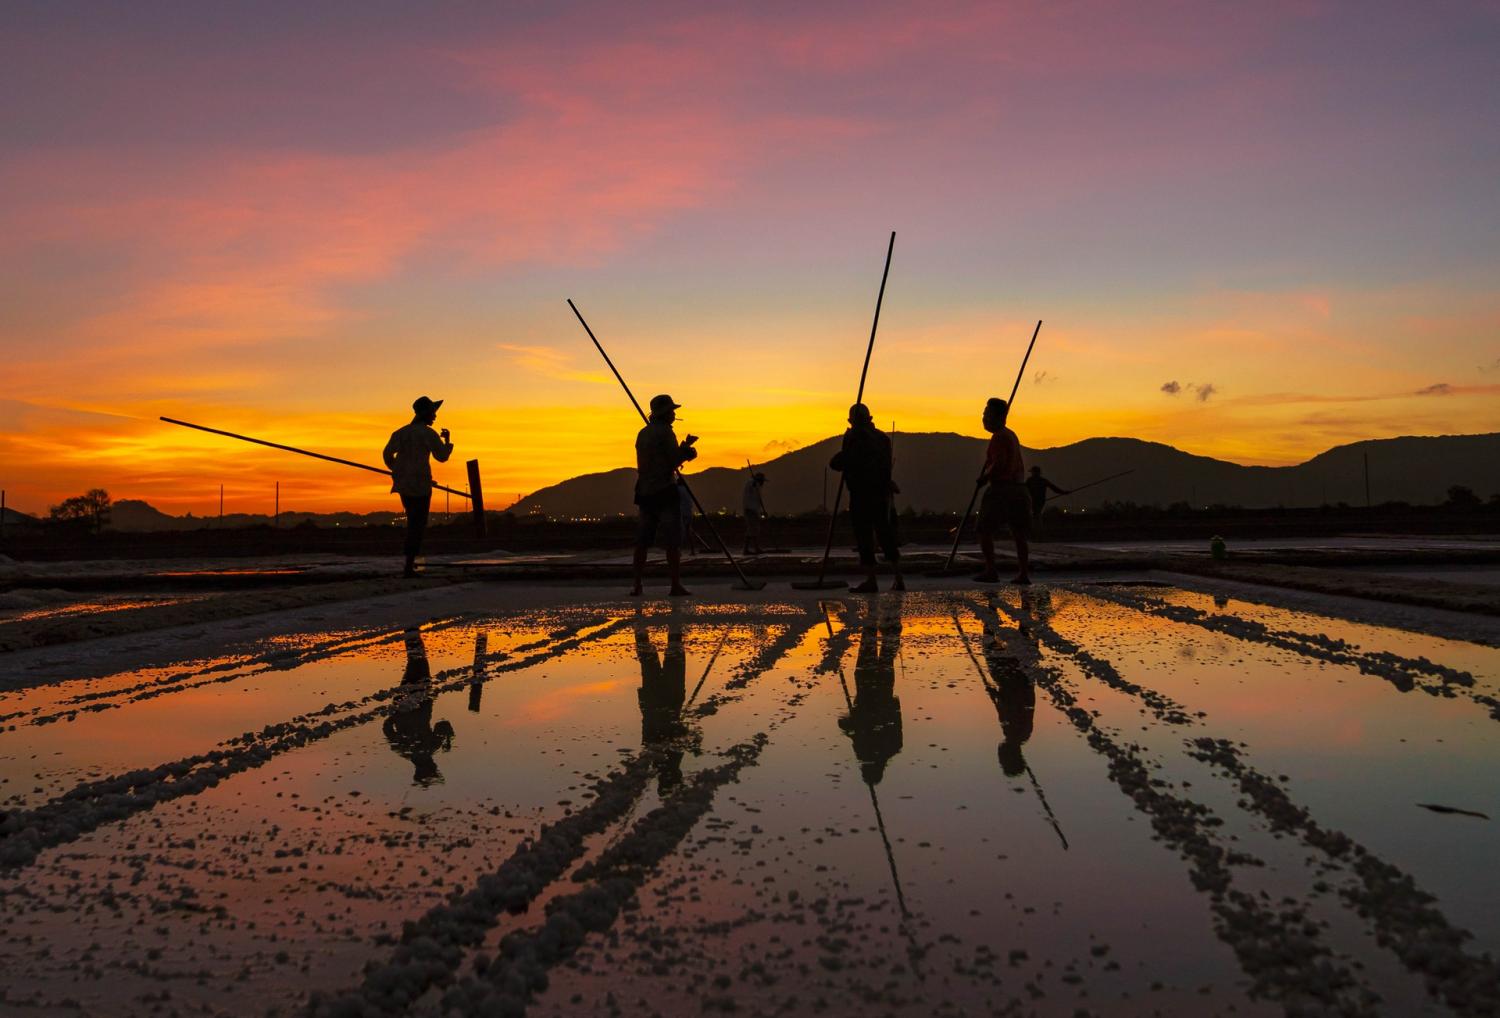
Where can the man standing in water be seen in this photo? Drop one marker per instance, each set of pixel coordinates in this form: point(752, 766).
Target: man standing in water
point(1006, 502)
point(658, 454)
point(406, 456)
point(865, 460)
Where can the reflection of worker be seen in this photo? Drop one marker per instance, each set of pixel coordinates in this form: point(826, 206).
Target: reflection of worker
point(662, 693)
point(1015, 701)
point(873, 723)
point(409, 729)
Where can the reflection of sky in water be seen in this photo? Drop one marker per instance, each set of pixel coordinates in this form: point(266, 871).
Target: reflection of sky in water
point(918, 767)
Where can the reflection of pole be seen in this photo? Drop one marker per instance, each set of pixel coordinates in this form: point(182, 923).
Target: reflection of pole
point(722, 640)
point(988, 685)
point(476, 687)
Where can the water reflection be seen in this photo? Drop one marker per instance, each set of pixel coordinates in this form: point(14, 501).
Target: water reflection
point(662, 695)
point(873, 722)
point(410, 729)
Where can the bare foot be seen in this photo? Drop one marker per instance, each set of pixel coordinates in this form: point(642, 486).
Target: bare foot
point(898, 584)
point(679, 591)
point(1021, 580)
point(987, 577)
point(868, 587)
point(636, 591)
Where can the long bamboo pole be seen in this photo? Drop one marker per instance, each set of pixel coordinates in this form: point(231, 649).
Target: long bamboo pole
point(958, 535)
point(683, 481)
point(300, 452)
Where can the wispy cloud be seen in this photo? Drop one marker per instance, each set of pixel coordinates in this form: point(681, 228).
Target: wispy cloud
point(1171, 388)
point(549, 363)
point(1436, 389)
point(1205, 390)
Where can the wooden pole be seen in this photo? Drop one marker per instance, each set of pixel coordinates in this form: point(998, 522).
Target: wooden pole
point(681, 480)
point(476, 497)
point(859, 397)
point(300, 452)
point(958, 535)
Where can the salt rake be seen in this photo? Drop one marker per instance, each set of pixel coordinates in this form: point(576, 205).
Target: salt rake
point(958, 535)
point(1035, 784)
point(745, 580)
point(821, 583)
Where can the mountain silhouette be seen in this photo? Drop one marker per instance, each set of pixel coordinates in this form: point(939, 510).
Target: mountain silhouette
point(936, 470)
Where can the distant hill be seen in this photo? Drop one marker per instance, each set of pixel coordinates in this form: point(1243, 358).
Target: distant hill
point(936, 471)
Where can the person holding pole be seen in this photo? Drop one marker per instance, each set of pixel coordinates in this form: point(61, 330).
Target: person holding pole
point(406, 456)
point(865, 461)
point(754, 504)
point(1037, 487)
point(1006, 502)
point(658, 454)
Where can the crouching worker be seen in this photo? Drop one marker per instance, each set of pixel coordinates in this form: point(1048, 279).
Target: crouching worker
point(865, 461)
point(1006, 501)
point(658, 454)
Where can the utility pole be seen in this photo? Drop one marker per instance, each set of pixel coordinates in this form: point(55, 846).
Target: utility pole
point(221, 505)
point(276, 520)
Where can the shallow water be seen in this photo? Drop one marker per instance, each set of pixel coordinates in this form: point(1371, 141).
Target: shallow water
point(1116, 799)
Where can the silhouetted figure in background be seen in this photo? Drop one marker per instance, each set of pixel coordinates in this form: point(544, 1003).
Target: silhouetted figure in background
point(1014, 697)
point(865, 460)
point(1037, 487)
point(409, 729)
point(658, 454)
point(873, 723)
point(690, 535)
point(754, 505)
point(1006, 502)
point(405, 456)
point(662, 694)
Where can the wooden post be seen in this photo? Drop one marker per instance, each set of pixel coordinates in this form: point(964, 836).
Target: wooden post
point(476, 497)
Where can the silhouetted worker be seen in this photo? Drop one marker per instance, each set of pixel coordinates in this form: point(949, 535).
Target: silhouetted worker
point(405, 456)
point(1005, 502)
point(658, 454)
point(662, 694)
point(873, 723)
point(1037, 487)
point(865, 460)
point(754, 505)
point(409, 729)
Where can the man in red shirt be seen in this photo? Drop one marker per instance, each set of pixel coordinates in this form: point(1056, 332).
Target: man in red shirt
point(1006, 501)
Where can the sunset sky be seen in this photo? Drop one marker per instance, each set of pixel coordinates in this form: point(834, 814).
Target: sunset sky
point(1253, 230)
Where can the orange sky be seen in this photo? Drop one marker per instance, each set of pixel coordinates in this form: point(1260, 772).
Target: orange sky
point(292, 224)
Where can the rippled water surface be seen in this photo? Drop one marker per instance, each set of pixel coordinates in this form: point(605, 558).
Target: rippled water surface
point(1114, 799)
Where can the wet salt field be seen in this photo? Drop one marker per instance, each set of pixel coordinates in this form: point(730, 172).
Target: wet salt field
point(1095, 798)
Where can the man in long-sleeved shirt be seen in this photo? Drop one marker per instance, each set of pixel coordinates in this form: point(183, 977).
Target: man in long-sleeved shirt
point(406, 456)
point(1006, 502)
point(658, 454)
point(865, 460)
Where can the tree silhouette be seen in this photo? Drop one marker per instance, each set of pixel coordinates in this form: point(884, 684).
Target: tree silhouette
point(1462, 497)
point(92, 508)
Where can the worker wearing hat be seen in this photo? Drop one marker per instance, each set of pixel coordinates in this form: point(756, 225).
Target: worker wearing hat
point(406, 456)
point(658, 454)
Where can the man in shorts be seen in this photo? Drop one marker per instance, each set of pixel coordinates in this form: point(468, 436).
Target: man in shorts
point(1006, 502)
point(406, 457)
point(658, 454)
